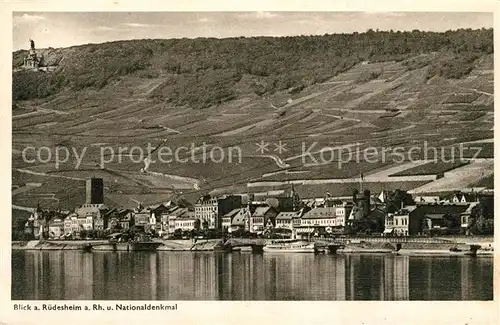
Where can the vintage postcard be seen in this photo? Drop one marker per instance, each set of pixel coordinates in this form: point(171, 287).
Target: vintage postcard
point(226, 163)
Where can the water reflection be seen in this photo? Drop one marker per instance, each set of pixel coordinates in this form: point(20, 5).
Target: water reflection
point(243, 276)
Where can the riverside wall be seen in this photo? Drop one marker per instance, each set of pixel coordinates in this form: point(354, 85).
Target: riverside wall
point(167, 245)
point(350, 245)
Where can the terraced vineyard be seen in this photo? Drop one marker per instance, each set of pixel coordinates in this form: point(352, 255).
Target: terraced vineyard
point(432, 168)
point(384, 103)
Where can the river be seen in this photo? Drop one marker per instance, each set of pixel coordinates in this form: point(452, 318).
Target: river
point(74, 275)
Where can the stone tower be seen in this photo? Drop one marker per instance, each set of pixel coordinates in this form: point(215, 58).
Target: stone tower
point(94, 191)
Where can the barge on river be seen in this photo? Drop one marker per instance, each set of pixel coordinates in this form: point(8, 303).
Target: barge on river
point(293, 246)
point(471, 250)
point(140, 242)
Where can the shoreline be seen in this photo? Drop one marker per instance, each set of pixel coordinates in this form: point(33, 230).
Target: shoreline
point(214, 245)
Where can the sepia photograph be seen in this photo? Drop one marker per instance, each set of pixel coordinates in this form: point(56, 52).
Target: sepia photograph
point(251, 156)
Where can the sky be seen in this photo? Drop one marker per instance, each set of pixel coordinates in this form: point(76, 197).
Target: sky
point(62, 29)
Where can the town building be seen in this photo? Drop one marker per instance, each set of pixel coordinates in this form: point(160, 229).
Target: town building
point(388, 224)
point(56, 228)
point(209, 210)
point(113, 220)
point(253, 205)
point(465, 217)
point(180, 218)
point(315, 221)
point(297, 220)
point(187, 222)
point(141, 218)
point(93, 214)
point(284, 220)
point(241, 221)
point(119, 219)
point(343, 210)
point(426, 199)
point(313, 203)
point(160, 214)
point(434, 221)
point(156, 215)
point(444, 218)
point(154, 223)
point(263, 217)
point(367, 213)
point(168, 219)
point(164, 225)
point(281, 200)
point(45, 224)
point(398, 223)
point(92, 217)
point(456, 197)
point(28, 226)
point(419, 219)
point(227, 219)
point(36, 223)
point(125, 218)
point(461, 197)
point(71, 225)
point(85, 217)
point(361, 206)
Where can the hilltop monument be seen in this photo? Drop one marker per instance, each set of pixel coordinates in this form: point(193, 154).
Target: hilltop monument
point(32, 61)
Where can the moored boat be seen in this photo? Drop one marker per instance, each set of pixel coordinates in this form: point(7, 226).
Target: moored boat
point(143, 246)
point(140, 242)
point(295, 246)
point(453, 251)
point(434, 252)
point(361, 250)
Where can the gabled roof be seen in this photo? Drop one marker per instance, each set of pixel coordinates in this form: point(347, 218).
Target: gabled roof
point(450, 209)
point(288, 215)
point(442, 194)
point(319, 213)
point(171, 210)
point(179, 212)
point(120, 214)
point(405, 210)
point(186, 215)
point(469, 197)
point(85, 210)
point(141, 209)
point(261, 211)
point(232, 213)
point(169, 203)
point(124, 211)
point(239, 219)
point(156, 207)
